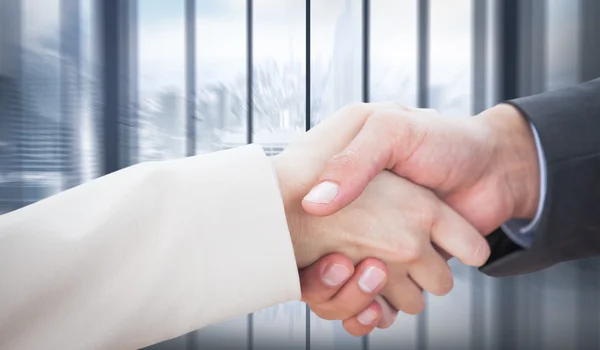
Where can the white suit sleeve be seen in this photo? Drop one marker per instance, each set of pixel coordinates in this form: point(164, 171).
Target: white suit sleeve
point(146, 254)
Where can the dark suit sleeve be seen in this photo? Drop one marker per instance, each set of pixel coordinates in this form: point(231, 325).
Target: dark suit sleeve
point(568, 124)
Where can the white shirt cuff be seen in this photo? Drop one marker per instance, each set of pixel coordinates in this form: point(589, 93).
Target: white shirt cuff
point(522, 231)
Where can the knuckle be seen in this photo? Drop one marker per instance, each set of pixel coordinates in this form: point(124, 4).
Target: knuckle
point(401, 106)
point(356, 332)
point(444, 285)
point(382, 123)
point(391, 105)
point(356, 108)
point(332, 313)
point(383, 135)
point(410, 250)
point(346, 159)
point(373, 262)
point(424, 217)
point(410, 136)
point(416, 306)
point(480, 252)
point(309, 297)
point(322, 313)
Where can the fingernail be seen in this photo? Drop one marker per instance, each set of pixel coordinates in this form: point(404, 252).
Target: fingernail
point(371, 279)
point(323, 193)
point(367, 317)
point(335, 274)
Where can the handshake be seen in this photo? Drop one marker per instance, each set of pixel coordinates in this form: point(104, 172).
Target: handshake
point(379, 196)
point(376, 199)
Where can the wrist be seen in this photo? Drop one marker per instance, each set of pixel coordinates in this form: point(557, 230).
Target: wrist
point(515, 158)
point(292, 204)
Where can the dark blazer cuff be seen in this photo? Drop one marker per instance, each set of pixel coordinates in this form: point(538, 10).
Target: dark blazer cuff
point(567, 122)
point(509, 258)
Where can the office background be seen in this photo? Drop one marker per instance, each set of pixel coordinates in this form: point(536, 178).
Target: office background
point(91, 86)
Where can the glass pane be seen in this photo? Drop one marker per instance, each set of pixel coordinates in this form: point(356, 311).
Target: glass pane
point(336, 80)
point(393, 77)
point(161, 40)
point(562, 43)
point(70, 93)
point(40, 146)
point(279, 115)
point(279, 72)
point(559, 299)
point(46, 76)
point(179, 343)
point(221, 114)
point(449, 317)
point(450, 56)
point(336, 56)
point(221, 75)
point(230, 334)
point(90, 105)
point(281, 327)
point(10, 104)
point(393, 45)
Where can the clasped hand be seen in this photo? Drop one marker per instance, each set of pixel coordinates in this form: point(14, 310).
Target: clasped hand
point(379, 196)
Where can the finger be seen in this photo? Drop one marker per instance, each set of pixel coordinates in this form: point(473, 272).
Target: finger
point(404, 294)
point(388, 313)
point(457, 237)
point(338, 130)
point(385, 139)
point(365, 321)
point(442, 252)
point(432, 273)
point(368, 280)
point(323, 279)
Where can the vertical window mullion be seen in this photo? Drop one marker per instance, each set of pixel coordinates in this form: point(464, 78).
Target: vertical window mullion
point(190, 75)
point(365, 49)
point(423, 16)
point(131, 95)
point(307, 126)
point(249, 119)
point(249, 72)
point(118, 27)
point(479, 35)
point(110, 73)
point(506, 291)
point(190, 104)
point(308, 122)
point(510, 49)
point(69, 92)
point(365, 69)
point(423, 53)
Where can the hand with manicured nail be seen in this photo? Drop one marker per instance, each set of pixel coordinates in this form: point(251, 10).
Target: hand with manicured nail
point(484, 167)
point(337, 290)
point(393, 220)
point(463, 160)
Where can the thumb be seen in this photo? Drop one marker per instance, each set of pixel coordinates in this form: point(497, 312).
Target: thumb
point(383, 142)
